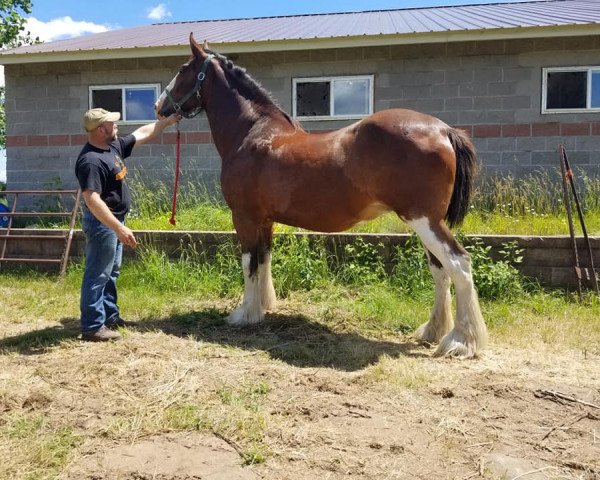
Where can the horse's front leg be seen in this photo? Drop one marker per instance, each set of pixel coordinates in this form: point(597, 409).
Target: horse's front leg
point(259, 294)
point(265, 280)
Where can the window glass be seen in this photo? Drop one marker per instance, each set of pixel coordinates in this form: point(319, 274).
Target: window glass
point(135, 103)
point(566, 90)
point(351, 97)
point(312, 99)
point(109, 99)
point(595, 89)
point(139, 103)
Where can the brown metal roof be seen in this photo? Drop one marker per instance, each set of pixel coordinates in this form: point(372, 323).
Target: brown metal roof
point(411, 21)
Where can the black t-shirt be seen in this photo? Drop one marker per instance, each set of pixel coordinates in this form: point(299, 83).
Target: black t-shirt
point(104, 171)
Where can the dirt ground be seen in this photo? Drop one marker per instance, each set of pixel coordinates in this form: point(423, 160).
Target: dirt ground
point(385, 410)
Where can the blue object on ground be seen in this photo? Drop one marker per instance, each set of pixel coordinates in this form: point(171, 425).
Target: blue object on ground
point(3, 218)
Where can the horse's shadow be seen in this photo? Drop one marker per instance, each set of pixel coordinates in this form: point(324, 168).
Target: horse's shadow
point(294, 339)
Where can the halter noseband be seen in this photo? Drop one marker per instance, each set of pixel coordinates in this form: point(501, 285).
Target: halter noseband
point(194, 91)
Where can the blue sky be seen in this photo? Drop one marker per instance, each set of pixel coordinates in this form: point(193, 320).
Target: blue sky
point(58, 19)
point(53, 19)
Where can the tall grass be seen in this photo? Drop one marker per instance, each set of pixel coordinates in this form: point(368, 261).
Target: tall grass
point(535, 194)
point(532, 204)
point(302, 264)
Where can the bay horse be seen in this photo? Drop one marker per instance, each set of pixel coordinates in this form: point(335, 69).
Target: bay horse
point(274, 171)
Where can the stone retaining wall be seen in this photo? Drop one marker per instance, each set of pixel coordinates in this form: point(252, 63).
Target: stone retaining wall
point(548, 259)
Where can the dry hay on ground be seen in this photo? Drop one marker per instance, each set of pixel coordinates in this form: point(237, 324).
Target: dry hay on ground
point(169, 402)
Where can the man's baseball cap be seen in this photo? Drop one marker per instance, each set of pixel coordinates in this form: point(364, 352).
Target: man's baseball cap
point(96, 116)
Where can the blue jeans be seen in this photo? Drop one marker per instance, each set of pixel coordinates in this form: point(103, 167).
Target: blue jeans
point(103, 254)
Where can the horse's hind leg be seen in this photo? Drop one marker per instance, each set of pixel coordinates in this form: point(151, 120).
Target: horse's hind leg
point(469, 334)
point(440, 322)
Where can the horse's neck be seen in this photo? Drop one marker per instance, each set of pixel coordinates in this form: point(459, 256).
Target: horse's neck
point(232, 117)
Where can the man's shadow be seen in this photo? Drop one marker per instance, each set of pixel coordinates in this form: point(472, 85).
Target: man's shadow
point(294, 339)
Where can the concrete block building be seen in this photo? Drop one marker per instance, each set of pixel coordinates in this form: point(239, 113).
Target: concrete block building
point(521, 78)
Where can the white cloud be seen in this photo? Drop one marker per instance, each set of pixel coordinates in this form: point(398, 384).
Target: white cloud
point(57, 29)
point(61, 28)
point(159, 12)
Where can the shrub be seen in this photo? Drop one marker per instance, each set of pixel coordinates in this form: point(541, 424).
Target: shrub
point(298, 263)
point(361, 264)
point(411, 270)
point(496, 279)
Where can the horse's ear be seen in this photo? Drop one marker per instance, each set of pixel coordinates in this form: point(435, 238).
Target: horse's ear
point(196, 49)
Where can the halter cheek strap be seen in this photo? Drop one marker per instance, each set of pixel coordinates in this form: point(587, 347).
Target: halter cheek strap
point(194, 91)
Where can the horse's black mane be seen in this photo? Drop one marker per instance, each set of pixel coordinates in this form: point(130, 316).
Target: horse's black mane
point(248, 87)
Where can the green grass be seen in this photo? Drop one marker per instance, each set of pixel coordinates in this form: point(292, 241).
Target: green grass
point(531, 205)
point(357, 293)
point(41, 450)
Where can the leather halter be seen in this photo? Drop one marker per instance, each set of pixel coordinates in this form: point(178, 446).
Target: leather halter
point(194, 91)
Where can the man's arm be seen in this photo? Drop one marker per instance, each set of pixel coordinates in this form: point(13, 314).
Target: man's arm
point(101, 211)
point(152, 130)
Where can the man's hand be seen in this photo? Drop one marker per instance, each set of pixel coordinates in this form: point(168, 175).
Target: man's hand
point(148, 132)
point(171, 119)
point(126, 236)
point(101, 211)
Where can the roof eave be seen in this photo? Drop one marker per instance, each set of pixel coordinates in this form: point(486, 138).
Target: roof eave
point(309, 44)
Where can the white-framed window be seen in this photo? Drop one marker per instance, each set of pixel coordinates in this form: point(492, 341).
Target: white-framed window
point(328, 98)
point(571, 89)
point(134, 102)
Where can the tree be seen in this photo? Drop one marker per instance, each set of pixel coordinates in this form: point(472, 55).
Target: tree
point(12, 23)
point(12, 35)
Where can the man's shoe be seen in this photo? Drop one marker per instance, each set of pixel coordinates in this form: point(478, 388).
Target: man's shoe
point(119, 323)
point(103, 334)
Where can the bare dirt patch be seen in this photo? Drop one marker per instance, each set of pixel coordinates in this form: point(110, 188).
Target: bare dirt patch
point(191, 398)
point(187, 456)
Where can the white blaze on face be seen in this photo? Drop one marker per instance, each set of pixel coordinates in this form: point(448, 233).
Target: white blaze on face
point(161, 100)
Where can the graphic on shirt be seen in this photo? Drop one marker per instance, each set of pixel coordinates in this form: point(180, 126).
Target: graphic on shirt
point(121, 165)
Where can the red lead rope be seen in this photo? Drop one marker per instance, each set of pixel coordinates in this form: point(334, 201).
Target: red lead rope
point(174, 204)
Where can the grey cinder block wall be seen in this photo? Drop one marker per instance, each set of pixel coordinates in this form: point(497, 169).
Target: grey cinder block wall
point(492, 89)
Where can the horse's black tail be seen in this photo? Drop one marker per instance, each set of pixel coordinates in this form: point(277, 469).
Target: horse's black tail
point(466, 167)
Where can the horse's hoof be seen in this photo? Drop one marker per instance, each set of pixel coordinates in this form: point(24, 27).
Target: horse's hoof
point(451, 347)
point(427, 335)
point(240, 317)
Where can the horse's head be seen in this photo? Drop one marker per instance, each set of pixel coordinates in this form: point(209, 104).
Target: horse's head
point(184, 94)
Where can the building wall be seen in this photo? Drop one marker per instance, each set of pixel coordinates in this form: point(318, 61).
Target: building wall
point(492, 89)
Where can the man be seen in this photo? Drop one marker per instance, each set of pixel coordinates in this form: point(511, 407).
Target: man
point(101, 172)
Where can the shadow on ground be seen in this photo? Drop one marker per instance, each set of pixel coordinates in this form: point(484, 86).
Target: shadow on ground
point(294, 339)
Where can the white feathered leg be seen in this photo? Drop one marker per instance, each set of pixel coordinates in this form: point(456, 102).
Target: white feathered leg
point(265, 281)
point(469, 334)
point(440, 322)
point(250, 311)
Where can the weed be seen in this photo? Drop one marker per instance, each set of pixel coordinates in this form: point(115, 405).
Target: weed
point(496, 278)
point(298, 264)
point(362, 263)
